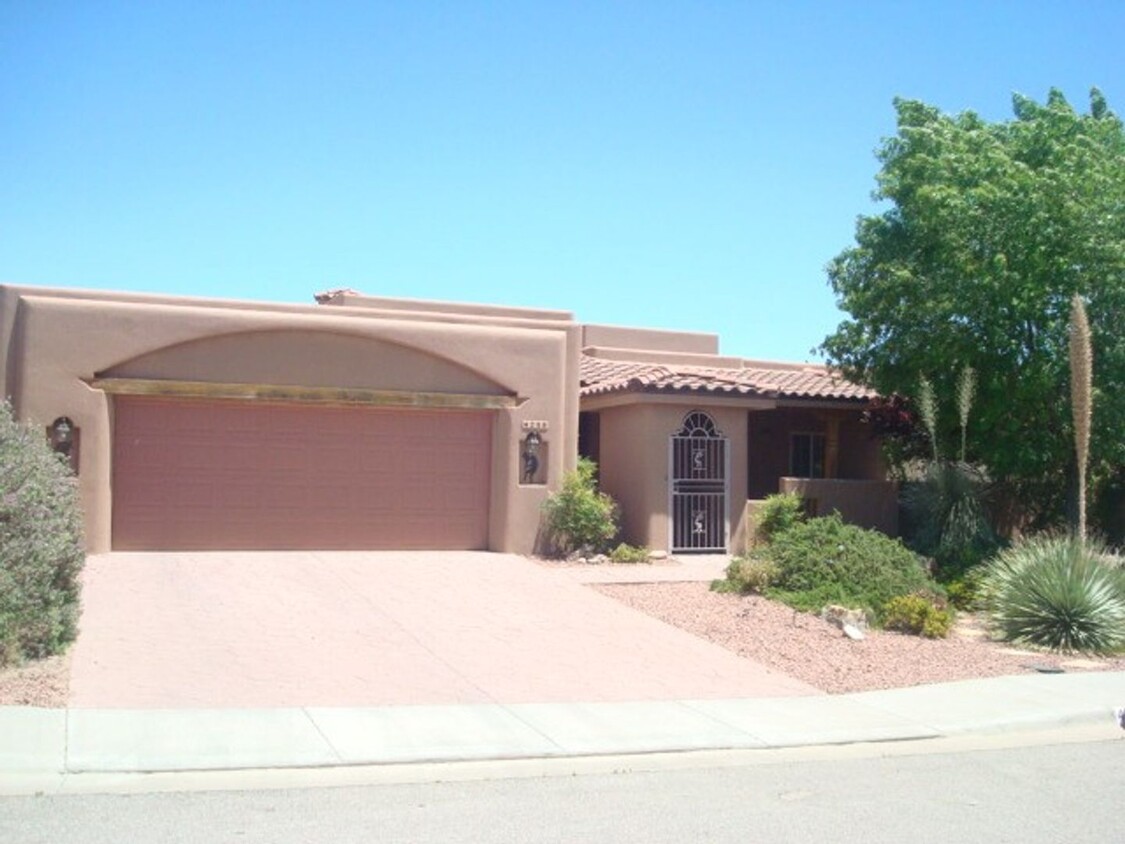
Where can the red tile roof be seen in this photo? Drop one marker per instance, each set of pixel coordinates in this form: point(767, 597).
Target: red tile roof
point(601, 377)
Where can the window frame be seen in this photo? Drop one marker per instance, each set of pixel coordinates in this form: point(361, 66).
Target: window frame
point(811, 438)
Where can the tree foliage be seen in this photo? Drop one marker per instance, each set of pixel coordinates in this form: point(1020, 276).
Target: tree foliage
point(991, 229)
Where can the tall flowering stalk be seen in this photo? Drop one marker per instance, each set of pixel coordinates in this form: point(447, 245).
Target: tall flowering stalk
point(1081, 397)
point(966, 390)
point(927, 409)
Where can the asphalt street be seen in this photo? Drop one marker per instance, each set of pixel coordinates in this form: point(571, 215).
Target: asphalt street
point(1062, 788)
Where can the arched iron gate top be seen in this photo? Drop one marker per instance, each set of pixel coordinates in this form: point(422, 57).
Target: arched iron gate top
point(698, 424)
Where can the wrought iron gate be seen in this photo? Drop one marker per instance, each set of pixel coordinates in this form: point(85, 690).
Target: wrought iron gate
point(698, 479)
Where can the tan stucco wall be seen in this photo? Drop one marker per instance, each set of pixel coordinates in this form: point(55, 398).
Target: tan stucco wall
point(634, 450)
point(869, 504)
point(268, 357)
point(54, 341)
point(650, 339)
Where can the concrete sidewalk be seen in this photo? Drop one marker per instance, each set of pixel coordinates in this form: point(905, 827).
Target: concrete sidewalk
point(41, 748)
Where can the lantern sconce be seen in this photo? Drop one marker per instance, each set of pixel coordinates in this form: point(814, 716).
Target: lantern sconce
point(533, 455)
point(63, 435)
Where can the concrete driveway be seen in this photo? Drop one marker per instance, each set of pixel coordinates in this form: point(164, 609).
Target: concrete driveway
point(281, 629)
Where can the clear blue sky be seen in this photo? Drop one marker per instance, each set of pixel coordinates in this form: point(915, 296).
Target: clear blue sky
point(678, 165)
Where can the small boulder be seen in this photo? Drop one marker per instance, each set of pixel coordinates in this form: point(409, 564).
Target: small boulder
point(658, 555)
point(853, 633)
point(841, 616)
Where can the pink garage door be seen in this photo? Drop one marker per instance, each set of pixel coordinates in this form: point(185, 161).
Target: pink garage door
point(225, 475)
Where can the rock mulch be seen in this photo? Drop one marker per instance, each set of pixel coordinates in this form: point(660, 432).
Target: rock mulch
point(816, 651)
point(44, 683)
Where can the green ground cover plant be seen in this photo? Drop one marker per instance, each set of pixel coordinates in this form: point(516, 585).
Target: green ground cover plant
point(41, 545)
point(811, 563)
point(751, 574)
point(626, 553)
point(921, 615)
point(825, 561)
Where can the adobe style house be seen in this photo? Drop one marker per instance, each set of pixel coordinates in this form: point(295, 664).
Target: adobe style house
point(689, 441)
point(362, 422)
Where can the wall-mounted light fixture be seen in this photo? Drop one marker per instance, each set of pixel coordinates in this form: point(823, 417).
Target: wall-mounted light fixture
point(530, 457)
point(63, 437)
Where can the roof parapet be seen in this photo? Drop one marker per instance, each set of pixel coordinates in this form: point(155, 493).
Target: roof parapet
point(347, 297)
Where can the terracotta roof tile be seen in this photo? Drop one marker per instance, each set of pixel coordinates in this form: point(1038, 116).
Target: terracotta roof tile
point(601, 377)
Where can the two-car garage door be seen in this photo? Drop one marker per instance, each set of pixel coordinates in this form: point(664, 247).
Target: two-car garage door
point(203, 475)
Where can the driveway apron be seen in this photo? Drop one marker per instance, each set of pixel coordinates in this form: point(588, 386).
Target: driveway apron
point(280, 629)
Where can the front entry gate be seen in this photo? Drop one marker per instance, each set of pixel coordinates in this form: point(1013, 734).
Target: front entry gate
point(699, 491)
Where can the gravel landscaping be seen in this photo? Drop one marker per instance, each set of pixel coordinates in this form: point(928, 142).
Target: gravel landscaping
point(804, 647)
point(43, 683)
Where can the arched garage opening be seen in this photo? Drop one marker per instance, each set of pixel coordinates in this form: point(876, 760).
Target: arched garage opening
point(297, 440)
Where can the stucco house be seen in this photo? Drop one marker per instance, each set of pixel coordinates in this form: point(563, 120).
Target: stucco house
point(362, 422)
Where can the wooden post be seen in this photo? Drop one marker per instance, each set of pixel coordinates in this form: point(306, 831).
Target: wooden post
point(832, 446)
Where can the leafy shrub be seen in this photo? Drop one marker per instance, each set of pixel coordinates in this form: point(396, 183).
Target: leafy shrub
point(1058, 593)
point(825, 561)
point(626, 553)
point(41, 545)
point(579, 517)
point(917, 614)
point(777, 514)
point(750, 574)
point(964, 590)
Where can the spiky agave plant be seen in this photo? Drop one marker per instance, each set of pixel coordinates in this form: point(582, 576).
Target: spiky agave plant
point(1081, 397)
point(1059, 593)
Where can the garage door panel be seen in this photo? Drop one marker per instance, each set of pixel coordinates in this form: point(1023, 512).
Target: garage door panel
point(227, 475)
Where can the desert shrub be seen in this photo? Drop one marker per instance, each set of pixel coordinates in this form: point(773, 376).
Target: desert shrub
point(753, 573)
point(578, 516)
point(964, 589)
point(945, 517)
point(1058, 593)
point(825, 561)
point(917, 614)
point(41, 545)
point(777, 514)
point(626, 553)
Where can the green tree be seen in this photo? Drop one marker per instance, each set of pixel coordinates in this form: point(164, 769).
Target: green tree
point(991, 229)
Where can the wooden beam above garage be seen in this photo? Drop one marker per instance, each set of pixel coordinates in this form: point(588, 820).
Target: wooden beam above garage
point(307, 395)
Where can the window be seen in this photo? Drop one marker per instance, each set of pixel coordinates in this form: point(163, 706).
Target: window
point(806, 455)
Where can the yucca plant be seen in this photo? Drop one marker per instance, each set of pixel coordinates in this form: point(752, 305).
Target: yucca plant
point(1059, 593)
point(945, 509)
point(947, 516)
